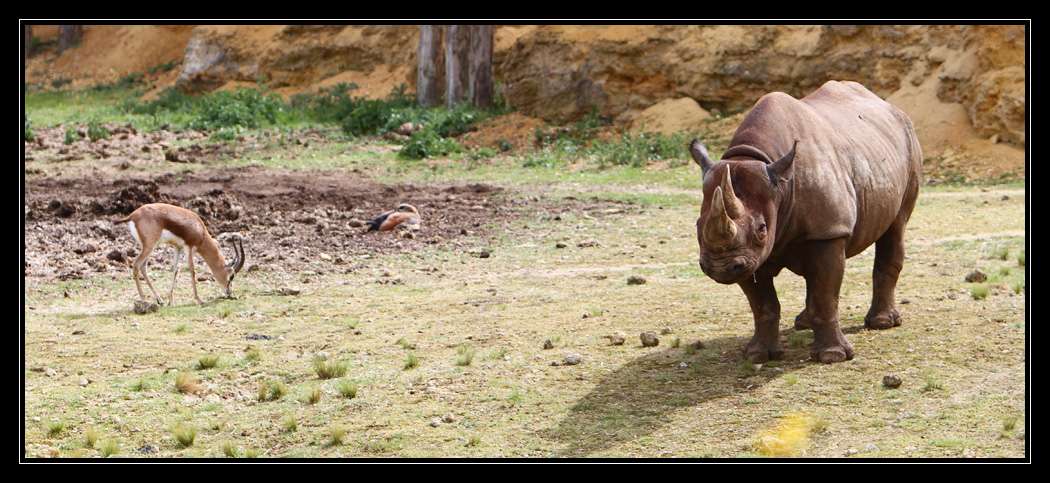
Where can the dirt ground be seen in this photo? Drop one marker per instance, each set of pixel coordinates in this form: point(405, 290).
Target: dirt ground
point(552, 277)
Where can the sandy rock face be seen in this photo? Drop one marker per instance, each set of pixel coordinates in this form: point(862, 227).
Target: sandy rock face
point(670, 116)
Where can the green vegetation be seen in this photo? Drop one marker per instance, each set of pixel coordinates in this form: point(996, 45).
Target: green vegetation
point(272, 390)
point(184, 434)
point(347, 389)
point(329, 369)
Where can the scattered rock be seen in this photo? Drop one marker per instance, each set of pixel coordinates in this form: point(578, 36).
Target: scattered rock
point(435, 422)
point(258, 337)
point(285, 291)
point(548, 344)
point(85, 248)
point(649, 339)
point(147, 449)
point(83, 382)
point(891, 381)
point(355, 223)
point(698, 345)
point(665, 331)
point(448, 418)
point(976, 276)
point(481, 253)
point(560, 245)
point(49, 372)
point(144, 307)
point(635, 280)
point(587, 244)
point(1005, 198)
point(617, 339)
point(572, 359)
point(115, 255)
point(79, 332)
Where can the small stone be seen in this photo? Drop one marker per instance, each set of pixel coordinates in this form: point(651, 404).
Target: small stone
point(79, 332)
point(572, 359)
point(649, 339)
point(355, 223)
point(481, 253)
point(617, 339)
point(851, 451)
point(870, 448)
point(49, 372)
point(683, 365)
point(976, 276)
point(1005, 198)
point(665, 331)
point(891, 381)
point(144, 307)
point(905, 301)
point(83, 382)
point(435, 422)
point(587, 244)
point(560, 245)
point(326, 257)
point(635, 280)
point(448, 419)
point(548, 344)
point(85, 248)
point(115, 255)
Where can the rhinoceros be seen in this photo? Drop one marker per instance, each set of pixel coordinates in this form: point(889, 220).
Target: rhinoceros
point(804, 185)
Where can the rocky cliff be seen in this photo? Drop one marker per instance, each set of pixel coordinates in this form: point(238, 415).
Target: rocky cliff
point(959, 83)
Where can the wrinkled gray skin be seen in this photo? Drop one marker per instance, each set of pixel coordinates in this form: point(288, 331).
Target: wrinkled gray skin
point(811, 182)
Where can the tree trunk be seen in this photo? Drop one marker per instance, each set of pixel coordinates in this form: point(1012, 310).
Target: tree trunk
point(69, 35)
point(481, 65)
point(428, 78)
point(457, 43)
point(28, 43)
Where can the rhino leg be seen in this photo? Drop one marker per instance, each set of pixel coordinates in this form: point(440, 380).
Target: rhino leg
point(762, 296)
point(826, 262)
point(889, 259)
point(803, 319)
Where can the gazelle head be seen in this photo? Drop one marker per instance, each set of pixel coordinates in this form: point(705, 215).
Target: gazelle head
point(233, 267)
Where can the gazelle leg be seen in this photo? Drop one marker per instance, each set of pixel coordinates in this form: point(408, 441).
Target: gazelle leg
point(175, 275)
point(193, 277)
point(140, 269)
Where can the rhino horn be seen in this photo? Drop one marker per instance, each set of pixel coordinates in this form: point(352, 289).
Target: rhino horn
point(719, 229)
point(734, 208)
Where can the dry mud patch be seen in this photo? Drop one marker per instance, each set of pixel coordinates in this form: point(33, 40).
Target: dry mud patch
point(292, 220)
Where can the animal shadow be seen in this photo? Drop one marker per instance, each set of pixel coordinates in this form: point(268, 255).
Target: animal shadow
point(639, 397)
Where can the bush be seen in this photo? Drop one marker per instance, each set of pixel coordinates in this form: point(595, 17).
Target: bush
point(97, 131)
point(638, 149)
point(427, 144)
point(329, 369)
point(28, 130)
point(71, 135)
point(244, 108)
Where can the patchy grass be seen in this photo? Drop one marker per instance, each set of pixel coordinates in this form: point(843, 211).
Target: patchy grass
point(979, 291)
point(91, 436)
point(464, 355)
point(313, 396)
point(55, 428)
point(289, 424)
point(411, 362)
point(336, 433)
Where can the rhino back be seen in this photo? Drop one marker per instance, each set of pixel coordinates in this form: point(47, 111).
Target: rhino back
point(857, 163)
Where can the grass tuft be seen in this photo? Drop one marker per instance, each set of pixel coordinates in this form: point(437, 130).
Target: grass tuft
point(347, 389)
point(252, 355)
point(314, 396)
point(109, 448)
point(272, 390)
point(789, 438)
point(54, 428)
point(90, 437)
point(229, 449)
point(465, 355)
point(184, 434)
point(329, 369)
point(411, 361)
point(207, 362)
point(186, 383)
point(289, 424)
point(979, 291)
point(474, 441)
point(336, 433)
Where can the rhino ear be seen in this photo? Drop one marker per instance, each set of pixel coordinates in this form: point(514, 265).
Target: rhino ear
point(780, 170)
point(699, 152)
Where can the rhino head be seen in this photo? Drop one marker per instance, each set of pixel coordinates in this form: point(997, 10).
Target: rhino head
point(738, 217)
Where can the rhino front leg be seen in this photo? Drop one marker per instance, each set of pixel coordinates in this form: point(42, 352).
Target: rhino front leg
point(762, 296)
point(889, 259)
point(825, 264)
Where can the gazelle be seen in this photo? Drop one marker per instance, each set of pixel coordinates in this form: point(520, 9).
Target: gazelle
point(183, 229)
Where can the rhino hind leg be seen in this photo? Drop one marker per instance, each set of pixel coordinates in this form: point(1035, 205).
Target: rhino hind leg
point(889, 259)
